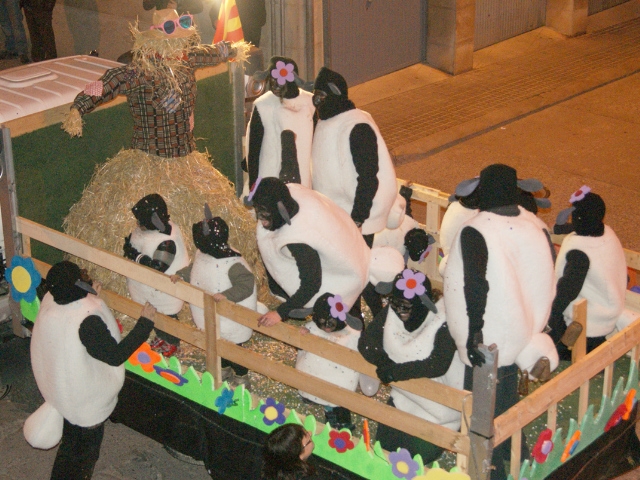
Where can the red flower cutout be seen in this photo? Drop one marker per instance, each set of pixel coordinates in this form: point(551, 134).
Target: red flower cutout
point(616, 417)
point(340, 441)
point(543, 446)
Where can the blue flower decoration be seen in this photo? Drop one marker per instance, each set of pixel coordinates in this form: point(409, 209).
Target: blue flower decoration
point(23, 278)
point(273, 412)
point(225, 400)
point(173, 377)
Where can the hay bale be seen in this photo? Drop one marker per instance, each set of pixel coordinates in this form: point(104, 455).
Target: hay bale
point(103, 215)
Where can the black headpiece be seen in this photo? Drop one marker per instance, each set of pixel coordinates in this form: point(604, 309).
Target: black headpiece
point(211, 236)
point(65, 283)
point(152, 213)
point(281, 77)
point(418, 244)
point(587, 212)
point(329, 310)
point(498, 187)
point(273, 195)
point(331, 95)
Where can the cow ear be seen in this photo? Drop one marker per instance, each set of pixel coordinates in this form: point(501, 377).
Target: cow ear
point(426, 301)
point(563, 216)
point(300, 313)
point(530, 185)
point(354, 322)
point(467, 187)
point(384, 288)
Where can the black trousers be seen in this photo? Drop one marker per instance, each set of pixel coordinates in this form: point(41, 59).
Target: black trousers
point(78, 452)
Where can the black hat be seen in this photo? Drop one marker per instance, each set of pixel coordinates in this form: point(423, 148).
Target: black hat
point(273, 195)
point(211, 236)
point(64, 282)
point(152, 213)
point(498, 187)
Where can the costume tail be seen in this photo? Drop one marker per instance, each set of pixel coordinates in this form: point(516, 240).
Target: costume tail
point(43, 428)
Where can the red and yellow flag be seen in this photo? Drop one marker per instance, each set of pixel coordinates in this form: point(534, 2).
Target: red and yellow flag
point(228, 27)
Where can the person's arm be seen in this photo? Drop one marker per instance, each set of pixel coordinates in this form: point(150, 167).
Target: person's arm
point(435, 365)
point(256, 135)
point(162, 258)
point(242, 283)
point(370, 343)
point(364, 150)
point(567, 290)
point(475, 257)
point(97, 339)
point(310, 271)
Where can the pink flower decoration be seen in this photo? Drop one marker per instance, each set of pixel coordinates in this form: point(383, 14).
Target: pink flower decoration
point(253, 190)
point(338, 309)
point(283, 72)
point(411, 283)
point(579, 194)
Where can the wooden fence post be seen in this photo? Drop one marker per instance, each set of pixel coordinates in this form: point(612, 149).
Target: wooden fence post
point(484, 401)
point(212, 335)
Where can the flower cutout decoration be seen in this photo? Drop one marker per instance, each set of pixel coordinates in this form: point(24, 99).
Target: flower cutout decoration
point(145, 357)
point(616, 417)
point(411, 283)
point(424, 254)
point(402, 465)
point(253, 189)
point(340, 441)
point(225, 400)
point(273, 412)
point(283, 72)
point(543, 446)
point(571, 446)
point(23, 278)
point(170, 375)
point(579, 194)
point(338, 309)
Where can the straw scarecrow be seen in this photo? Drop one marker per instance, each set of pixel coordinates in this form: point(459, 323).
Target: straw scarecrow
point(160, 86)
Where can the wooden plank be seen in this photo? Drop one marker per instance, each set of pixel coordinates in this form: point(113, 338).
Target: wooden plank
point(111, 261)
point(579, 315)
point(212, 337)
point(583, 401)
point(552, 417)
point(355, 402)
point(565, 382)
point(289, 334)
point(516, 445)
point(426, 194)
point(632, 301)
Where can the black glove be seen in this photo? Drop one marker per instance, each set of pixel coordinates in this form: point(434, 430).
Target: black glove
point(385, 373)
point(129, 251)
point(475, 356)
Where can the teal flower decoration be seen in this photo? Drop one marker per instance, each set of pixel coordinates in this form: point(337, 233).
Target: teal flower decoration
point(23, 278)
point(225, 400)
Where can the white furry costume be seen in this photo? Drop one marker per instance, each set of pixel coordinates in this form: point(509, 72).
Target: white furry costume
point(521, 289)
point(74, 385)
point(452, 221)
point(346, 261)
point(326, 369)
point(605, 285)
point(295, 114)
point(146, 242)
point(403, 346)
point(212, 274)
point(334, 173)
point(394, 237)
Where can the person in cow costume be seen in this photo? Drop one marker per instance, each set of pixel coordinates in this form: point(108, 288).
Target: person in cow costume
point(280, 131)
point(409, 339)
point(310, 246)
point(332, 322)
point(77, 356)
point(156, 243)
point(498, 289)
point(591, 264)
point(221, 270)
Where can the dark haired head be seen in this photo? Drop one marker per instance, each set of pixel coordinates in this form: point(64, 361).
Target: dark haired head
point(282, 452)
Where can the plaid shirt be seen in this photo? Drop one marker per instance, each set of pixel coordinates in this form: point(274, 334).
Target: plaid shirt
point(163, 120)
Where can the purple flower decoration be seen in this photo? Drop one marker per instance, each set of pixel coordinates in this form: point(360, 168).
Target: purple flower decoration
point(338, 309)
point(579, 194)
point(170, 375)
point(283, 72)
point(411, 283)
point(225, 400)
point(273, 412)
point(253, 190)
point(425, 253)
point(402, 465)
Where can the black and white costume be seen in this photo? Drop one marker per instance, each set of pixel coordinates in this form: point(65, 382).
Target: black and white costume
point(77, 356)
point(351, 163)
point(285, 108)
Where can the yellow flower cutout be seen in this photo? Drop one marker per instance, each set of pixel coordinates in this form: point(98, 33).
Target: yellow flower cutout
point(440, 474)
point(23, 278)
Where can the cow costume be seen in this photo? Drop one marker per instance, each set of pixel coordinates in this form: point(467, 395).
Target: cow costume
point(410, 339)
point(310, 246)
point(591, 264)
point(498, 289)
point(332, 322)
point(156, 243)
point(77, 357)
point(280, 131)
point(351, 163)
